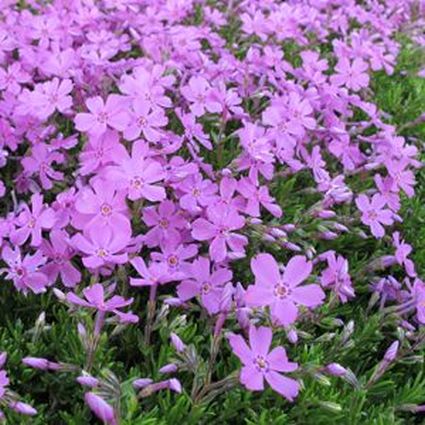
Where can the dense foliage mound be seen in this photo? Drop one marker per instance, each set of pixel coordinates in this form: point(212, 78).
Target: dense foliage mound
point(212, 211)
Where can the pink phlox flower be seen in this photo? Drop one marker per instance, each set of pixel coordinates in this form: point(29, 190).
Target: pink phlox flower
point(175, 255)
point(12, 78)
point(64, 207)
point(40, 163)
point(25, 272)
point(95, 299)
point(153, 274)
point(59, 254)
point(102, 115)
point(145, 120)
point(352, 75)
point(193, 131)
point(31, 222)
point(197, 193)
point(282, 293)
point(100, 205)
point(46, 99)
point(198, 94)
point(256, 196)
point(148, 85)
point(336, 276)
point(259, 363)
point(385, 186)
point(165, 222)
point(403, 178)
point(206, 284)
point(374, 214)
point(137, 173)
point(101, 246)
point(219, 228)
point(402, 253)
point(100, 151)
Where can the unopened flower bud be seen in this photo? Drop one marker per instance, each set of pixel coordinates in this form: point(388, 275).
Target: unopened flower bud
point(138, 384)
point(88, 381)
point(100, 408)
point(336, 369)
point(23, 408)
point(177, 343)
point(168, 368)
point(391, 353)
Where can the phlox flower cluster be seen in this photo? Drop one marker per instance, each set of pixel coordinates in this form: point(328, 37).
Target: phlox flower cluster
point(141, 148)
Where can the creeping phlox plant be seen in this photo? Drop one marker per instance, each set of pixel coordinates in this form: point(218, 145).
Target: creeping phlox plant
point(151, 155)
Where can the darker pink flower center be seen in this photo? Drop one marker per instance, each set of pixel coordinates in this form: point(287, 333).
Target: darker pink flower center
point(261, 363)
point(281, 291)
point(106, 210)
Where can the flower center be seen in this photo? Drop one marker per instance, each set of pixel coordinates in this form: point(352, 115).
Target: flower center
point(141, 121)
point(106, 210)
point(31, 223)
point(261, 363)
point(102, 117)
point(206, 287)
point(372, 215)
point(164, 223)
point(173, 260)
point(102, 253)
point(136, 182)
point(20, 271)
point(281, 291)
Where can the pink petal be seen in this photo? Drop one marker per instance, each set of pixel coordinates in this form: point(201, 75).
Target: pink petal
point(285, 386)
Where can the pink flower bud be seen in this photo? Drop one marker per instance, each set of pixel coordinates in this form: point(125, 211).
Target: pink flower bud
point(40, 363)
point(23, 408)
point(100, 408)
point(3, 358)
point(168, 368)
point(174, 385)
point(293, 336)
point(326, 214)
point(177, 343)
point(391, 353)
point(88, 381)
point(142, 383)
point(336, 369)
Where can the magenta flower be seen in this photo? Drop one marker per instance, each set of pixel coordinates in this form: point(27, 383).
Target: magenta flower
point(206, 284)
point(256, 196)
point(402, 253)
point(259, 363)
point(137, 173)
point(95, 298)
point(198, 93)
point(175, 255)
point(12, 78)
point(103, 115)
point(282, 293)
point(99, 151)
point(25, 272)
point(40, 163)
point(219, 229)
point(101, 408)
point(101, 246)
point(59, 253)
point(154, 274)
point(166, 222)
point(100, 205)
point(418, 291)
point(197, 193)
point(145, 120)
point(336, 276)
point(31, 222)
point(374, 214)
point(353, 75)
